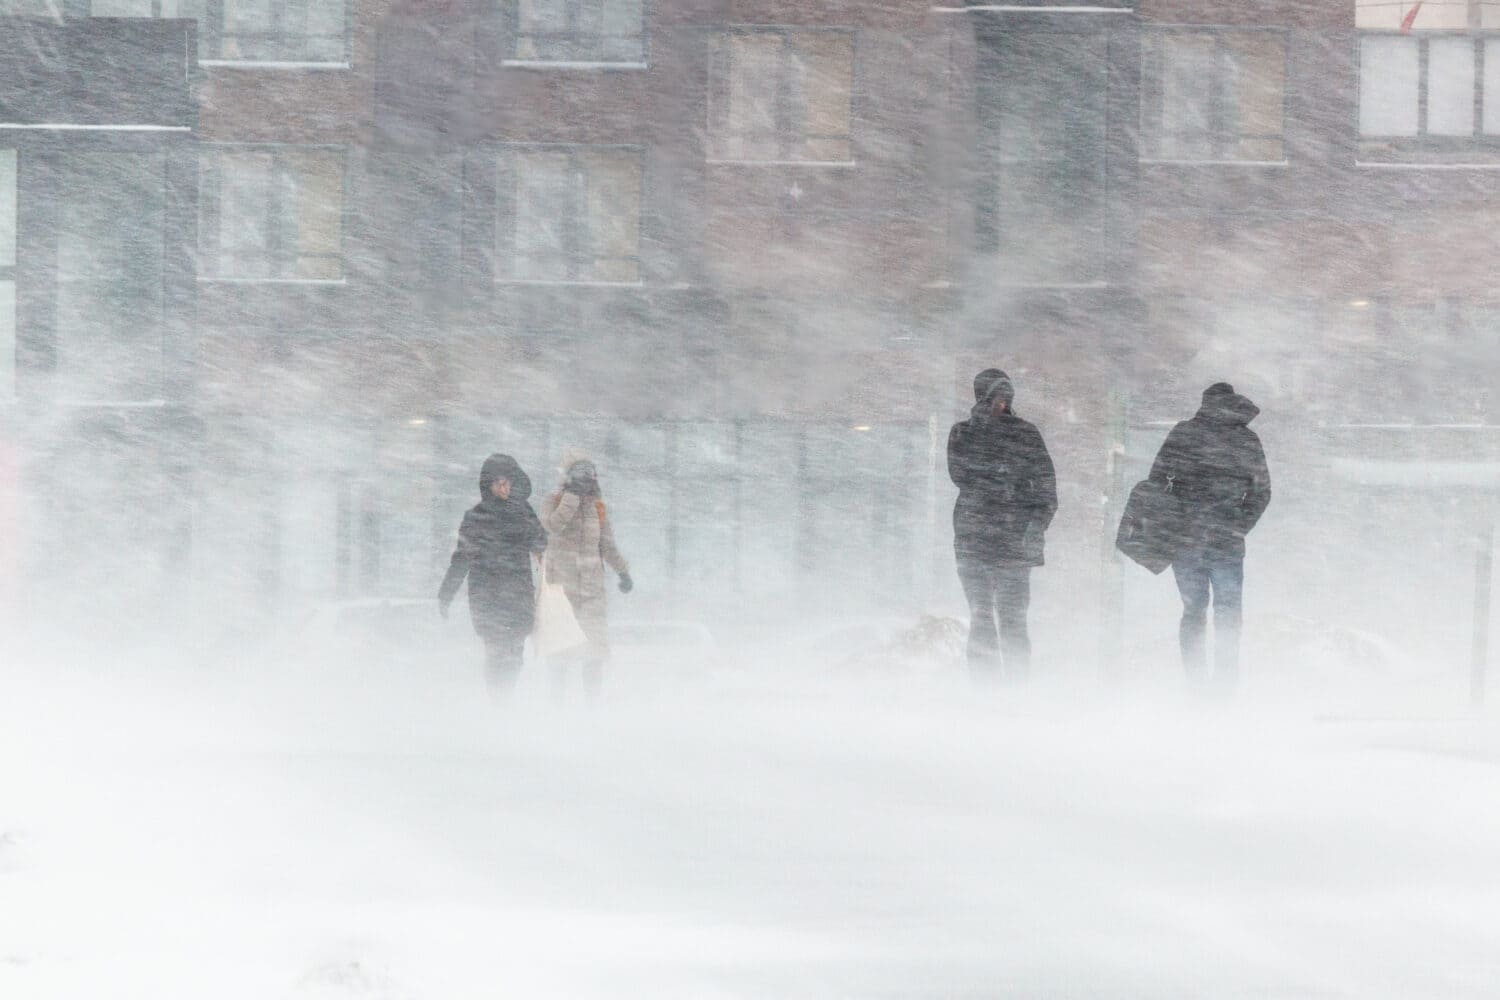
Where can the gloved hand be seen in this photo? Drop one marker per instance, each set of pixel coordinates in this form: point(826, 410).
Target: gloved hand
point(626, 583)
point(583, 479)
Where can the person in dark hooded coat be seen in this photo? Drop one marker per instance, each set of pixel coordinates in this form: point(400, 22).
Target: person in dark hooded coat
point(1007, 495)
point(1215, 466)
point(496, 543)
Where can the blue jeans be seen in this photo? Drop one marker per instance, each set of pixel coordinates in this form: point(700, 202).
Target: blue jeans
point(1199, 575)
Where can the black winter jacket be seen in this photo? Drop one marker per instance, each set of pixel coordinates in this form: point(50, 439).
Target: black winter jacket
point(495, 544)
point(1216, 468)
point(1007, 487)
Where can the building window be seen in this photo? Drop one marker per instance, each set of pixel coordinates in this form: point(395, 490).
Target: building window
point(301, 31)
point(7, 211)
point(270, 30)
point(54, 9)
point(1438, 87)
point(58, 10)
point(1041, 180)
point(1388, 69)
point(111, 226)
point(1429, 79)
point(272, 213)
point(590, 31)
point(1425, 16)
point(570, 214)
point(142, 8)
point(781, 95)
point(1213, 95)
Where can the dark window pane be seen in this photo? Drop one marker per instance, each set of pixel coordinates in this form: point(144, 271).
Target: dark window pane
point(1041, 203)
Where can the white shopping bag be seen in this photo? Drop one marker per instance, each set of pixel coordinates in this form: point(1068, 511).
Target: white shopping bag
point(557, 629)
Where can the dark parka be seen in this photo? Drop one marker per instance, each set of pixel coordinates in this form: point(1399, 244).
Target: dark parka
point(1216, 468)
point(1007, 487)
point(495, 544)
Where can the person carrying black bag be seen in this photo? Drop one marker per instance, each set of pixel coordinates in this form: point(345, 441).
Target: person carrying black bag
point(1215, 468)
point(1007, 496)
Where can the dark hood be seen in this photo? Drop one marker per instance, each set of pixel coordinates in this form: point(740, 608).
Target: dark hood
point(990, 385)
point(1222, 405)
point(504, 467)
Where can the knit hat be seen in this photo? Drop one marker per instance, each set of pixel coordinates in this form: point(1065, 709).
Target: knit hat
point(992, 384)
point(571, 456)
point(1219, 390)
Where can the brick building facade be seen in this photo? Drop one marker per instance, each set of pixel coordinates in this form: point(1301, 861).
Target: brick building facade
point(748, 250)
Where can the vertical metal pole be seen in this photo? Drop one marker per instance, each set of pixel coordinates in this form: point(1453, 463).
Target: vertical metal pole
point(344, 532)
point(674, 494)
point(739, 505)
point(1112, 626)
point(936, 456)
point(803, 558)
point(1483, 569)
point(272, 524)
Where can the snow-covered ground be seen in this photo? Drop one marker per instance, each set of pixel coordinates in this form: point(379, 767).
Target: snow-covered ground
point(330, 829)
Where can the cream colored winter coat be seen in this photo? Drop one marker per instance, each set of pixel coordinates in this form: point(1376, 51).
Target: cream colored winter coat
point(580, 543)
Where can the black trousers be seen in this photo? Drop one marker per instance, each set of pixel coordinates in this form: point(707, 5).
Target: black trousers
point(502, 660)
point(999, 595)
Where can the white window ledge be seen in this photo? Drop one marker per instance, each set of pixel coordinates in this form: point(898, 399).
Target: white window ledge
point(1410, 427)
point(65, 127)
point(943, 285)
point(1379, 165)
point(114, 404)
point(214, 280)
point(1146, 161)
point(1030, 9)
point(572, 65)
point(272, 64)
point(1063, 286)
point(817, 164)
point(543, 282)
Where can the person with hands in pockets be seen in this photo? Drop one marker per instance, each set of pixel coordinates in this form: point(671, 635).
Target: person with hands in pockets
point(581, 543)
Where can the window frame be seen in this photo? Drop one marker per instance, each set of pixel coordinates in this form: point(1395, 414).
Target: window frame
point(81, 9)
point(1219, 136)
point(998, 170)
point(209, 15)
point(719, 83)
point(511, 13)
point(211, 34)
point(63, 8)
point(280, 263)
point(7, 270)
point(1424, 141)
point(504, 206)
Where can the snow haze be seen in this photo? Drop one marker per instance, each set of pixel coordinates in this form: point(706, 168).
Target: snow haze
point(757, 834)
